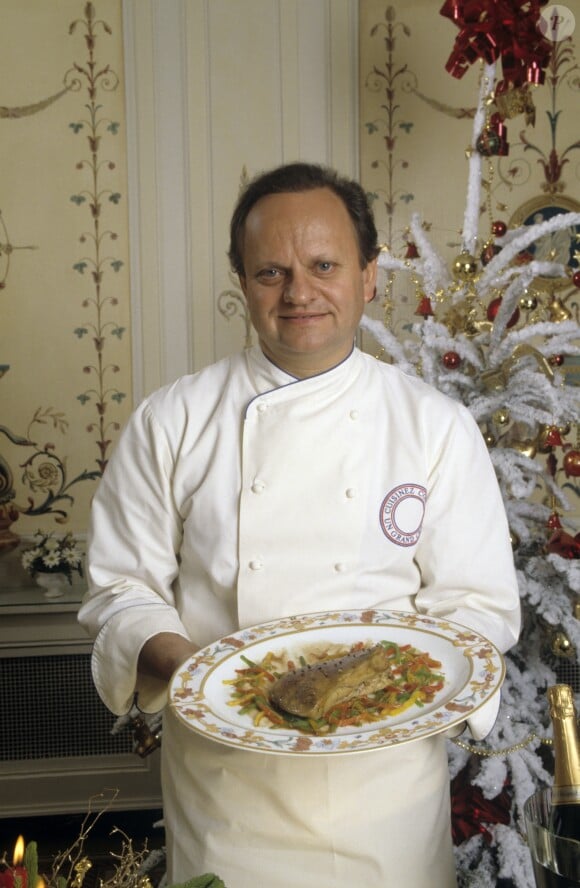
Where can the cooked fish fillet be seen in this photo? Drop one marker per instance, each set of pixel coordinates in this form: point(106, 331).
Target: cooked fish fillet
point(313, 690)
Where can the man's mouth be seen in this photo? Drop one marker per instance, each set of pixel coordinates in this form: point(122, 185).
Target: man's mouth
point(303, 317)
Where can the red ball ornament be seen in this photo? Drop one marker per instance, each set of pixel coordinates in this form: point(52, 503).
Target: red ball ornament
point(556, 360)
point(572, 463)
point(451, 360)
point(498, 228)
point(488, 252)
point(576, 278)
point(553, 437)
point(493, 308)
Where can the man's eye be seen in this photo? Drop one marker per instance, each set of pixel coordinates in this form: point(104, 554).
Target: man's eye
point(268, 274)
point(325, 266)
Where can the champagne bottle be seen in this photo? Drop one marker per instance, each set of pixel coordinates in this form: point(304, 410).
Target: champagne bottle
point(565, 813)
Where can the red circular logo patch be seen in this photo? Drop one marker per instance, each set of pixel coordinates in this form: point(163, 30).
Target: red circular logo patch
point(401, 514)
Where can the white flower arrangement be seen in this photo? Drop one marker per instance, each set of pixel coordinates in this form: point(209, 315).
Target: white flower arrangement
point(53, 555)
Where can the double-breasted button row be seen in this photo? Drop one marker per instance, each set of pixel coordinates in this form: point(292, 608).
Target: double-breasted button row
point(255, 565)
point(258, 486)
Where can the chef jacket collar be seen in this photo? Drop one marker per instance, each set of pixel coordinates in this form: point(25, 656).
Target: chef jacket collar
point(267, 376)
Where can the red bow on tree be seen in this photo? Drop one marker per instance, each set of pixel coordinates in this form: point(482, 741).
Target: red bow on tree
point(562, 543)
point(493, 29)
point(471, 812)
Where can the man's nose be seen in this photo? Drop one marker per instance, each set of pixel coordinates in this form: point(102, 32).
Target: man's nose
point(298, 289)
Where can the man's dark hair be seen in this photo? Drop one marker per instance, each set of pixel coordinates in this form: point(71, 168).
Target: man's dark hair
point(298, 177)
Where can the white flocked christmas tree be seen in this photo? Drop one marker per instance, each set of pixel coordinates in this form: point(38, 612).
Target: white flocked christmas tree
point(474, 344)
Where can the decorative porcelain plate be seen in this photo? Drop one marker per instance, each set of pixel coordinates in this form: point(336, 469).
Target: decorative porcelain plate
point(473, 669)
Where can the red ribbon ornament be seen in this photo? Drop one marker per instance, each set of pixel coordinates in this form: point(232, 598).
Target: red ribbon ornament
point(472, 813)
point(499, 29)
point(564, 544)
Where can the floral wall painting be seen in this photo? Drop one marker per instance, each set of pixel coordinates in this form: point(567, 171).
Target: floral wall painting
point(64, 290)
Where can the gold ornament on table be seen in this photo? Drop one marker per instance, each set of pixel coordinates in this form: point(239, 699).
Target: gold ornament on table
point(81, 869)
point(70, 867)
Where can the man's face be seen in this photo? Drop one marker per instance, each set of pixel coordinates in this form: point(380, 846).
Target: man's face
point(302, 279)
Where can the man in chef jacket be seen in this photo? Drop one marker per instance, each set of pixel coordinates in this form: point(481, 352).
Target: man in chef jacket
point(301, 475)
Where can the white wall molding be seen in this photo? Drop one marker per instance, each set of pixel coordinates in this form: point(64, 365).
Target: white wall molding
point(214, 86)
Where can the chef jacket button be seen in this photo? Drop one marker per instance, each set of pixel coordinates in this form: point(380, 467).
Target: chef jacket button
point(350, 492)
point(353, 414)
point(340, 567)
point(256, 565)
point(258, 487)
point(261, 407)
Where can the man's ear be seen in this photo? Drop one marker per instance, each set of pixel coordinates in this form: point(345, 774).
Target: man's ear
point(370, 279)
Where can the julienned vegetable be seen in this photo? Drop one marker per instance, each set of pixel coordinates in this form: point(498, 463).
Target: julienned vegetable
point(411, 679)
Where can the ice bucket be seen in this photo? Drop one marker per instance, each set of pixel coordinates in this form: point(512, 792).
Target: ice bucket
point(556, 860)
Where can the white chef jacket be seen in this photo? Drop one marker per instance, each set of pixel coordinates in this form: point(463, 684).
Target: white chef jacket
point(241, 494)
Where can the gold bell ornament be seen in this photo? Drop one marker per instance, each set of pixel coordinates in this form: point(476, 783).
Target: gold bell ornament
point(558, 312)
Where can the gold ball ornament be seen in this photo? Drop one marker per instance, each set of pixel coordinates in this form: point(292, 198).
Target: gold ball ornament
point(501, 417)
point(528, 302)
point(489, 439)
point(464, 266)
point(561, 646)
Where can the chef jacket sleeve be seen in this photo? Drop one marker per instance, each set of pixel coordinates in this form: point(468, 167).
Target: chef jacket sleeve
point(134, 536)
point(464, 553)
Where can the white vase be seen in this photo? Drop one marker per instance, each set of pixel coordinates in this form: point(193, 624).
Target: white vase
point(54, 584)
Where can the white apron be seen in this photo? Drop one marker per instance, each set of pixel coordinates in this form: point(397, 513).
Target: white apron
point(285, 497)
point(376, 819)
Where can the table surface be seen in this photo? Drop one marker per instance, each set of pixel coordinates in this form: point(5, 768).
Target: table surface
point(23, 599)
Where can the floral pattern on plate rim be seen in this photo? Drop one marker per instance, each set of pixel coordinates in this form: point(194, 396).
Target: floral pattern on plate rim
point(188, 699)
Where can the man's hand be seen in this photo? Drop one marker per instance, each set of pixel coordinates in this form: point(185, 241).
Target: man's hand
point(162, 654)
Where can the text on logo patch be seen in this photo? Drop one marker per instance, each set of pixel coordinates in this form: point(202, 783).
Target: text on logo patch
point(401, 514)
